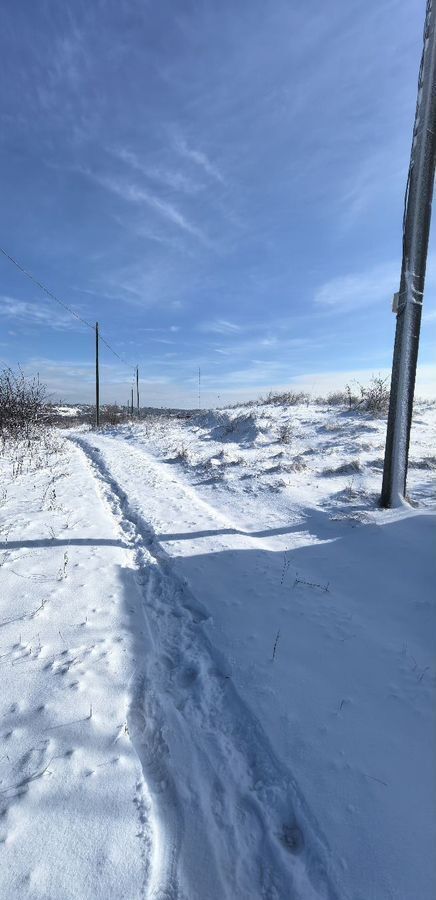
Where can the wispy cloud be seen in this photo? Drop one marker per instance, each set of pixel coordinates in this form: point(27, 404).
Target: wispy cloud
point(219, 326)
point(221, 208)
point(172, 178)
point(148, 283)
point(377, 284)
point(379, 173)
point(349, 292)
point(200, 159)
point(37, 313)
point(133, 193)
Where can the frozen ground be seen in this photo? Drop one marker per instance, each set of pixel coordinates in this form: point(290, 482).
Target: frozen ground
point(218, 662)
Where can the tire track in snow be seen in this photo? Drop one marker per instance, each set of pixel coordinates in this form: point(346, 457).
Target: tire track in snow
point(229, 819)
point(145, 717)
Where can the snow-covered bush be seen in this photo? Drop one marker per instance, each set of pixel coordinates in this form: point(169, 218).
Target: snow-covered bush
point(181, 454)
point(23, 404)
point(241, 429)
point(285, 434)
point(343, 398)
point(112, 414)
point(287, 398)
point(239, 423)
point(375, 397)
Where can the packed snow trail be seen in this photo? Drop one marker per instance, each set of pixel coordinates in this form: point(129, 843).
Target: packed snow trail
point(291, 682)
point(231, 820)
point(217, 664)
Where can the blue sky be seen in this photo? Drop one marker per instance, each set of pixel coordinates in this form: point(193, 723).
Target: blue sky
point(220, 184)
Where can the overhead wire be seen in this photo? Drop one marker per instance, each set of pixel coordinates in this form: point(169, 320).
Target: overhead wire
point(45, 289)
point(71, 311)
point(63, 305)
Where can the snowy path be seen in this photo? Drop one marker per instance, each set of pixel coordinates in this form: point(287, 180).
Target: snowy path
point(213, 688)
point(284, 777)
point(231, 820)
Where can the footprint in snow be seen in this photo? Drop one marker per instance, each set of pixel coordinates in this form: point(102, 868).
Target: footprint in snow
point(188, 676)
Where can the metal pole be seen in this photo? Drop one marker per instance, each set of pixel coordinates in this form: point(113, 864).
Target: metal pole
point(131, 410)
point(97, 380)
point(137, 389)
point(416, 229)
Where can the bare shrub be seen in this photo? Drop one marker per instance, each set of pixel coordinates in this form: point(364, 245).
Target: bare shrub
point(239, 423)
point(375, 397)
point(23, 404)
point(427, 462)
point(241, 428)
point(285, 434)
point(112, 414)
point(343, 398)
point(242, 404)
point(346, 468)
point(287, 398)
point(298, 465)
point(181, 454)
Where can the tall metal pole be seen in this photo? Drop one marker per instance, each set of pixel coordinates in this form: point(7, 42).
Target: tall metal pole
point(132, 403)
point(416, 230)
point(137, 390)
point(97, 380)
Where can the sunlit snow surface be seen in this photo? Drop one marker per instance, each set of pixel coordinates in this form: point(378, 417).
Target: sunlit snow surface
point(217, 661)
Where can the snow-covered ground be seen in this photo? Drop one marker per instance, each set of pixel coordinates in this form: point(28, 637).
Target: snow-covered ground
point(67, 411)
point(218, 661)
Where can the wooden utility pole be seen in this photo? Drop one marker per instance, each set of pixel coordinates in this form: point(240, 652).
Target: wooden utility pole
point(97, 380)
point(416, 230)
point(137, 389)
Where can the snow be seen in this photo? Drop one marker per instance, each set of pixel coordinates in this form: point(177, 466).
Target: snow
point(217, 660)
point(69, 774)
point(67, 411)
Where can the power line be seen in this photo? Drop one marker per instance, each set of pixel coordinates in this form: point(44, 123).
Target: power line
point(104, 341)
point(45, 289)
point(61, 303)
point(79, 318)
